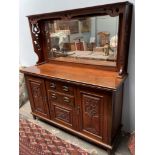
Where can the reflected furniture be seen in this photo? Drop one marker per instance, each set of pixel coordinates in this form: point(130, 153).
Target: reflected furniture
point(104, 38)
point(80, 90)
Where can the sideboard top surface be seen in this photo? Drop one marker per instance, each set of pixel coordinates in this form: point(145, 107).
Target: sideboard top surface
point(87, 76)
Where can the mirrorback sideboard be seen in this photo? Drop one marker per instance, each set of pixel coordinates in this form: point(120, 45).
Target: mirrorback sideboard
point(77, 83)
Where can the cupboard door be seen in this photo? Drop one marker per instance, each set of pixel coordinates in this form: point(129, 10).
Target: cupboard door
point(37, 96)
point(91, 112)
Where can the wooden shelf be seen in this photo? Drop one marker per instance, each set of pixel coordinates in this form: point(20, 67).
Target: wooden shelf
point(88, 76)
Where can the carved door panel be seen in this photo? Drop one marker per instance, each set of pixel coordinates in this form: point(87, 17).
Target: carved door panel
point(37, 96)
point(91, 112)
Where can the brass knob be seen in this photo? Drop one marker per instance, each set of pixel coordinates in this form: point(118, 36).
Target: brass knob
point(52, 85)
point(54, 96)
point(65, 88)
point(66, 99)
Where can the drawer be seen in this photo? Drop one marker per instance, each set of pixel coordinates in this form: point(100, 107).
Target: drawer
point(60, 87)
point(51, 85)
point(59, 98)
point(54, 97)
point(66, 88)
point(67, 100)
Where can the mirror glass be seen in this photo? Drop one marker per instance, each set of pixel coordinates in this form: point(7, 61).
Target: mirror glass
point(91, 40)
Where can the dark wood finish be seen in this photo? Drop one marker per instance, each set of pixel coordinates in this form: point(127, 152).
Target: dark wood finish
point(90, 111)
point(37, 40)
point(124, 39)
point(63, 115)
point(37, 96)
point(117, 114)
point(86, 76)
point(85, 100)
point(122, 9)
point(108, 65)
point(92, 114)
point(62, 99)
point(75, 132)
point(85, 63)
point(60, 87)
point(61, 102)
point(99, 103)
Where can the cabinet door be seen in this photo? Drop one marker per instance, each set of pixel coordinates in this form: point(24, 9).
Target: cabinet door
point(37, 96)
point(96, 112)
point(92, 113)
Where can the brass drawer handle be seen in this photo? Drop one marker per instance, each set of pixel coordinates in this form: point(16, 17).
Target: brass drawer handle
point(65, 88)
point(54, 96)
point(66, 99)
point(52, 85)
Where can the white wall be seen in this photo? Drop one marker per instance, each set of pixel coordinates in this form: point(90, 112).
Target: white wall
point(28, 57)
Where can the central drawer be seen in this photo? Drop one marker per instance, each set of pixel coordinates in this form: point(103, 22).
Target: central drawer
point(58, 86)
point(59, 98)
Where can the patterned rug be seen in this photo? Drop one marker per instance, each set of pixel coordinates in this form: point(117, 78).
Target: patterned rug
point(34, 140)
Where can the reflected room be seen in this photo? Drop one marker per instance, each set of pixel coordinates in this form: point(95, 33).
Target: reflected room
point(91, 39)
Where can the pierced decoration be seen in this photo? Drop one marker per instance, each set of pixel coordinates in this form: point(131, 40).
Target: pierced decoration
point(36, 37)
point(35, 29)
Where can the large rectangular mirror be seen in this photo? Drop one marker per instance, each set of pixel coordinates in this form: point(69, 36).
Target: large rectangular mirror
point(92, 40)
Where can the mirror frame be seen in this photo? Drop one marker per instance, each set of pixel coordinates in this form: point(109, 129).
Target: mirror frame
point(122, 9)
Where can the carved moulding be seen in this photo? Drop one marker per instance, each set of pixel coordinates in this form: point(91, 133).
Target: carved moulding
point(36, 32)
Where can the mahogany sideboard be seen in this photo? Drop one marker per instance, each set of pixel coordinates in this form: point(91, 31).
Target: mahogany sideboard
point(83, 97)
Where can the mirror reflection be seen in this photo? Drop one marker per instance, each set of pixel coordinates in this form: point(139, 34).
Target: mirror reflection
point(93, 38)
